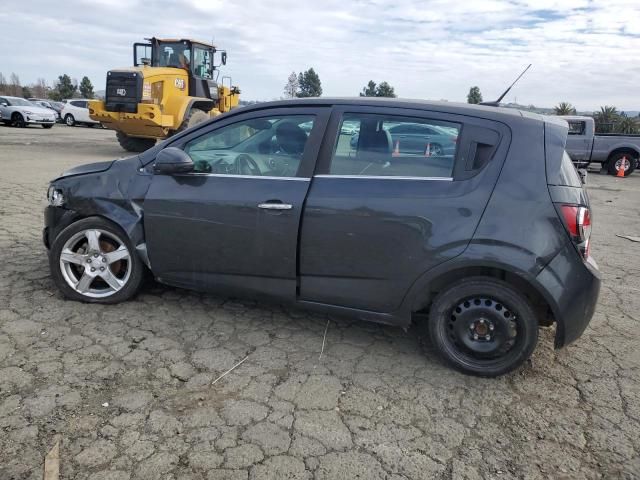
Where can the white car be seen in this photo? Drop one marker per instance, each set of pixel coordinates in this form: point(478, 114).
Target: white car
point(45, 104)
point(19, 112)
point(76, 112)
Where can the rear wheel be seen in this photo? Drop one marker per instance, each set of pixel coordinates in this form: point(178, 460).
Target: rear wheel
point(69, 120)
point(621, 160)
point(94, 261)
point(482, 326)
point(134, 144)
point(17, 120)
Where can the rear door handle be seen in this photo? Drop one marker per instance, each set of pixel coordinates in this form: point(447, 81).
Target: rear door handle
point(275, 206)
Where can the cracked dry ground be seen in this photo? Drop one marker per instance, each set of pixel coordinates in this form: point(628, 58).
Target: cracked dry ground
point(376, 405)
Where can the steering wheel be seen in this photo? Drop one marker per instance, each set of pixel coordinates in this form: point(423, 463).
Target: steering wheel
point(245, 165)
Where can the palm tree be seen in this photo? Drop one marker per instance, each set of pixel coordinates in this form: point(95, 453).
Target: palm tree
point(605, 118)
point(627, 125)
point(564, 108)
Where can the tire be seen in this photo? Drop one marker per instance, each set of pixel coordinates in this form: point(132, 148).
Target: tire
point(472, 323)
point(614, 163)
point(47, 126)
point(112, 253)
point(17, 120)
point(69, 120)
point(134, 144)
point(193, 118)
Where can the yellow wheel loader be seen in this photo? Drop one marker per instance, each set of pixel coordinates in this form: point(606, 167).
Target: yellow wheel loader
point(172, 86)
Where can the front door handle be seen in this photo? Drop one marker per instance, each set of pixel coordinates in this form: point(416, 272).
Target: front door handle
point(275, 206)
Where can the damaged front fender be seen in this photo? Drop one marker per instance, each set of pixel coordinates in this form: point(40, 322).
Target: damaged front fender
point(116, 193)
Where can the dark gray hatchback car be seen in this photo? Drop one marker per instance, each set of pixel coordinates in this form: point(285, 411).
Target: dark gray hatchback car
point(484, 242)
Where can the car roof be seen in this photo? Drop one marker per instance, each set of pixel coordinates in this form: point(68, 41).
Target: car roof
point(483, 111)
point(9, 96)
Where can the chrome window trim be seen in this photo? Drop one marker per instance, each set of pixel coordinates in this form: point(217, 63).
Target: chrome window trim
point(231, 175)
point(386, 177)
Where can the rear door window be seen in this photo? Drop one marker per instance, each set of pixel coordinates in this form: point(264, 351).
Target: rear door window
point(372, 145)
point(576, 127)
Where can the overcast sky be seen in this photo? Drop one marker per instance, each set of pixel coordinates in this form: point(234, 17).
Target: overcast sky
point(583, 52)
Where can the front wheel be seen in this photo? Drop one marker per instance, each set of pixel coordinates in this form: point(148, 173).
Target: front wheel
point(621, 160)
point(17, 120)
point(134, 144)
point(69, 120)
point(93, 261)
point(482, 326)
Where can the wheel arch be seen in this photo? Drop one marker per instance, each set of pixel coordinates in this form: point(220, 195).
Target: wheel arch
point(429, 286)
point(625, 148)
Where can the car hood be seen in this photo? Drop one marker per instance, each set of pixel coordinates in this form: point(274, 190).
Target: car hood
point(87, 168)
point(38, 110)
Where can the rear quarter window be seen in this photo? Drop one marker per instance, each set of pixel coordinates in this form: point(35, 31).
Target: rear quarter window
point(560, 168)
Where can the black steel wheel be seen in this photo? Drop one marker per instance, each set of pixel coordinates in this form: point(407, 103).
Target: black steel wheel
point(482, 326)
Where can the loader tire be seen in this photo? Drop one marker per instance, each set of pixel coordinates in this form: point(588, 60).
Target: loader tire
point(134, 144)
point(194, 117)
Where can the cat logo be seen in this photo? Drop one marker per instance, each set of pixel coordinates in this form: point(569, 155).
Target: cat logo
point(179, 83)
point(122, 92)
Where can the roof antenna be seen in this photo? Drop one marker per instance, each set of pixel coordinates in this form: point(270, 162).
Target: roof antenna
point(496, 103)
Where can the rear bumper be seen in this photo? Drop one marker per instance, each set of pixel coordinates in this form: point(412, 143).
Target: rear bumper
point(572, 287)
point(148, 122)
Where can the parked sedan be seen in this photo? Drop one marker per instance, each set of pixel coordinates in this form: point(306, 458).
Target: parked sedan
point(19, 112)
point(46, 104)
point(267, 201)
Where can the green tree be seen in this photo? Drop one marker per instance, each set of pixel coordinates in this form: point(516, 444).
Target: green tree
point(627, 125)
point(474, 95)
point(378, 90)
point(291, 88)
point(26, 92)
point(309, 84)
point(564, 108)
point(86, 89)
point(385, 90)
point(606, 118)
point(369, 90)
point(63, 89)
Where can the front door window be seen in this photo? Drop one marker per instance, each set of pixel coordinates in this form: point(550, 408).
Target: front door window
point(267, 146)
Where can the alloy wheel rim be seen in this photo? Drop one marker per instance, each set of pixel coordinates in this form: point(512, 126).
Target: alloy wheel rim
point(623, 163)
point(482, 329)
point(69, 120)
point(95, 263)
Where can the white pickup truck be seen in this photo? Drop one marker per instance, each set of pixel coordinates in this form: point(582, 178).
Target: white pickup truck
point(612, 150)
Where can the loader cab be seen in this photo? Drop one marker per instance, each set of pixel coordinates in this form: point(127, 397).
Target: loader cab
point(196, 58)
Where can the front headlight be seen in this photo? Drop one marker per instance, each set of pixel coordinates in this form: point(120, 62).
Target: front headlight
point(55, 197)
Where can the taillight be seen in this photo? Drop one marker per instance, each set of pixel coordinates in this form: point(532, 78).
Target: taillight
point(578, 223)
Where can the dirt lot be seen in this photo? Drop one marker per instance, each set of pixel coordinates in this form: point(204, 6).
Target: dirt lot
point(128, 387)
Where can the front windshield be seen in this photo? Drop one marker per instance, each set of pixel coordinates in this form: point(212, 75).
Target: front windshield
point(172, 54)
point(20, 102)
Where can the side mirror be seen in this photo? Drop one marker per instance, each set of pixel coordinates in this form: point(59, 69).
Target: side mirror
point(4, 104)
point(172, 160)
point(223, 57)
